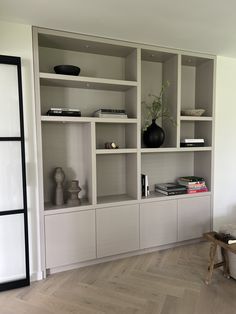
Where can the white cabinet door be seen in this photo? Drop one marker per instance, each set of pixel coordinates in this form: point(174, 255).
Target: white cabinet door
point(117, 230)
point(70, 238)
point(194, 217)
point(158, 223)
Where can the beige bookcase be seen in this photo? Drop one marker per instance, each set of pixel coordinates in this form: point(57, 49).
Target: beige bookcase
point(113, 217)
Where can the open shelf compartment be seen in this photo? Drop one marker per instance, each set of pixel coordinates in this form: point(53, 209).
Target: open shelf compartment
point(67, 145)
point(197, 75)
point(124, 135)
point(197, 129)
point(88, 100)
point(95, 59)
point(168, 167)
point(116, 178)
point(157, 69)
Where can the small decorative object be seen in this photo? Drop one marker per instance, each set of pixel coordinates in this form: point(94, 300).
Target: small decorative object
point(154, 135)
point(111, 145)
point(59, 177)
point(67, 69)
point(74, 190)
point(192, 112)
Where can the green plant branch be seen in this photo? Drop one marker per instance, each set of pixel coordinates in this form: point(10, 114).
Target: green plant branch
point(157, 107)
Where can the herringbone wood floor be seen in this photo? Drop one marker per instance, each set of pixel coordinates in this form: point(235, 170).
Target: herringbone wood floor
point(165, 282)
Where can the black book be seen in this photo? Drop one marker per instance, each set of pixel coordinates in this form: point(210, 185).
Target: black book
point(191, 144)
point(170, 187)
point(171, 192)
point(64, 112)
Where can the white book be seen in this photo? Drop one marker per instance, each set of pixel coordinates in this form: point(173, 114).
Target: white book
point(65, 109)
point(147, 192)
point(192, 140)
point(144, 185)
point(110, 115)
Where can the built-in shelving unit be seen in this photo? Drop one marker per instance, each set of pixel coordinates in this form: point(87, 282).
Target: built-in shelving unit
point(118, 75)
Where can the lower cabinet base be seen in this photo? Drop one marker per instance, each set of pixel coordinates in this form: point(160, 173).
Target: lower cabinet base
point(98, 235)
point(120, 256)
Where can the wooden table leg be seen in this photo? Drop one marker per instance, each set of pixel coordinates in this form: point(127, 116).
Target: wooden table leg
point(211, 262)
point(225, 258)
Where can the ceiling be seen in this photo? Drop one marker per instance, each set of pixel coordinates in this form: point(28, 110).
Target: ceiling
point(198, 25)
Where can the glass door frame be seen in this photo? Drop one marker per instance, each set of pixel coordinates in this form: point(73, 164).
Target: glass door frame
point(9, 60)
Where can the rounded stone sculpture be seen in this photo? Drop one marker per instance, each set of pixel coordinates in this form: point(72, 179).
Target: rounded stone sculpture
point(73, 191)
point(59, 177)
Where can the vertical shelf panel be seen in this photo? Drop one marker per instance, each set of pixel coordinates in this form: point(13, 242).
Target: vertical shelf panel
point(170, 74)
point(204, 86)
point(131, 73)
point(203, 167)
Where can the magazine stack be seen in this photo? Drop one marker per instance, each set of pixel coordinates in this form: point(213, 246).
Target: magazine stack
point(193, 184)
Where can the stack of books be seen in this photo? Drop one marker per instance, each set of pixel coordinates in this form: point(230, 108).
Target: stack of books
point(110, 113)
point(192, 142)
point(193, 184)
point(170, 188)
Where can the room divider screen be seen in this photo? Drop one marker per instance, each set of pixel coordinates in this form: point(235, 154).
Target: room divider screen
point(14, 252)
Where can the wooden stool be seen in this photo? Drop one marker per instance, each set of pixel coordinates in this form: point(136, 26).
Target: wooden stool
point(210, 236)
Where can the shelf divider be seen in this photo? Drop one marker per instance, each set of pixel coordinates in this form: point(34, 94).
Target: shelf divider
point(116, 151)
point(45, 118)
point(60, 80)
point(191, 118)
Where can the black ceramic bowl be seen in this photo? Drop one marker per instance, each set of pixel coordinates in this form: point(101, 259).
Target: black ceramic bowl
point(67, 69)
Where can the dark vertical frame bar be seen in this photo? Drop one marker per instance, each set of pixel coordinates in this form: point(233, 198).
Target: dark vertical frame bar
point(25, 281)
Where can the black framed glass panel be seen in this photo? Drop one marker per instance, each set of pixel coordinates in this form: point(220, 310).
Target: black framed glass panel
point(14, 252)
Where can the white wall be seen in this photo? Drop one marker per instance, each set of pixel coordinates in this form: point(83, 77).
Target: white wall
point(16, 40)
point(225, 143)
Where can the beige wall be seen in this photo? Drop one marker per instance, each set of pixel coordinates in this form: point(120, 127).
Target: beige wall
point(16, 40)
point(225, 143)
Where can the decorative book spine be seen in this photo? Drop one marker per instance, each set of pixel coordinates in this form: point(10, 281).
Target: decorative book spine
point(145, 185)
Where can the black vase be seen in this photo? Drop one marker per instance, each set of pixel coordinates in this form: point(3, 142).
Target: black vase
point(154, 136)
